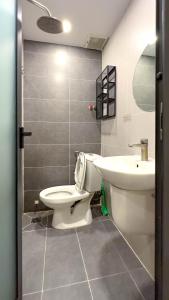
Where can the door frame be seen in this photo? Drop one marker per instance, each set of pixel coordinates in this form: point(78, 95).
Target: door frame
point(19, 152)
point(162, 152)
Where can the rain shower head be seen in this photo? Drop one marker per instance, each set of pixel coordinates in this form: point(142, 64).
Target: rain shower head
point(48, 23)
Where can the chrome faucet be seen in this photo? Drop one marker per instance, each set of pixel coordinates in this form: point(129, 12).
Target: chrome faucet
point(144, 148)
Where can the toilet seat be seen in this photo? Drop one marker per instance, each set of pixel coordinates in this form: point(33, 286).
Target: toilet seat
point(62, 194)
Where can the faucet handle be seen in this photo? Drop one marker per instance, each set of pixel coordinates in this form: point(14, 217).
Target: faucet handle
point(144, 141)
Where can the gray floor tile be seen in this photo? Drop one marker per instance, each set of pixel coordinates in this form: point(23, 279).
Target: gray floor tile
point(63, 263)
point(122, 247)
point(33, 258)
point(35, 226)
point(26, 220)
point(119, 287)
point(36, 296)
point(145, 283)
point(75, 292)
point(100, 255)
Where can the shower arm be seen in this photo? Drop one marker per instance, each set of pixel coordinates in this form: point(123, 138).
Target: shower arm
point(43, 7)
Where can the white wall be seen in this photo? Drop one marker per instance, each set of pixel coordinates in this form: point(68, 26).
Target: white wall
point(131, 123)
point(124, 50)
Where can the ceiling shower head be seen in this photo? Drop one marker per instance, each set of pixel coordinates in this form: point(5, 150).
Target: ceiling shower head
point(50, 24)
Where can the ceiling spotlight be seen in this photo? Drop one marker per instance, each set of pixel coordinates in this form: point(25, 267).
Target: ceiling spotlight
point(66, 26)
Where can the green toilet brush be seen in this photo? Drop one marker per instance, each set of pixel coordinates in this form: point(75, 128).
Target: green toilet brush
point(104, 208)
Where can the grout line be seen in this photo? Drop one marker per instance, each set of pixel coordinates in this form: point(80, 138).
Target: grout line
point(56, 100)
point(44, 264)
point(126, 241)
point(128, 271)
point(39, 167)
point(55, 122)
point(137, 287)
point(69, 127)
point(27, 224)
point(77, 283)
point(66, 285)
point(46, 167)
point(84, 264)
point(33, 293)
point(62, 144)
point(40, 229)
point(71, 56)
point(107, 276)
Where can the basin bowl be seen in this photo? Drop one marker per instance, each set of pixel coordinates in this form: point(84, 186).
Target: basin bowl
point(127, 172)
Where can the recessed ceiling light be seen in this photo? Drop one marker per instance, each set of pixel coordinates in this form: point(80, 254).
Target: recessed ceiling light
point(152, 39)
point(66, 26)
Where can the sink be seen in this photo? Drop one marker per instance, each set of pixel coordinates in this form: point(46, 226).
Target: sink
point(127, 172)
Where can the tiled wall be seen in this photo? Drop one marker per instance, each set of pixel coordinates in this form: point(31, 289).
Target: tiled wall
point(59, 83)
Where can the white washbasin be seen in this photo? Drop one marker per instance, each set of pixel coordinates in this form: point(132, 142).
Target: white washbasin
point(127, 172)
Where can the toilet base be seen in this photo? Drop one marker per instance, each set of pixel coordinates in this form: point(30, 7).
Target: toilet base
point(81, 216)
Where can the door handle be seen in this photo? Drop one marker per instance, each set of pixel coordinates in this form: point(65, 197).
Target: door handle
point(22, 135)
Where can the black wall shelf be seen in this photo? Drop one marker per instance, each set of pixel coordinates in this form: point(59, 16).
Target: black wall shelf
point(106, 94)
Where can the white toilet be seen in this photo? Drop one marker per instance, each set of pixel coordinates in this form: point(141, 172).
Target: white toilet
point(71, 203)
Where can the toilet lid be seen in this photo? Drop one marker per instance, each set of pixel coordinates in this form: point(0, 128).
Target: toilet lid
point(80, 171)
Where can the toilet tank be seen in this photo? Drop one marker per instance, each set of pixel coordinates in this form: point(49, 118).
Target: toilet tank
point(92, 178)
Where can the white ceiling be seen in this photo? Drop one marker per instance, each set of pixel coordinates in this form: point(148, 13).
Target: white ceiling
point(96, 18)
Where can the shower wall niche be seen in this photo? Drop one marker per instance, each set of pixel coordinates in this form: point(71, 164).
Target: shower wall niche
point(59, 84)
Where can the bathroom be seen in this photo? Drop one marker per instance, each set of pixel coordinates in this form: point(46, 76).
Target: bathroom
point(86, 167)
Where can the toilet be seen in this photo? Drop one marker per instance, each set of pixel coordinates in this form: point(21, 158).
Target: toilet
point(71, 203)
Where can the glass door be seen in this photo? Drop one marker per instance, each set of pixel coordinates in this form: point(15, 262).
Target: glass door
point(8, 152)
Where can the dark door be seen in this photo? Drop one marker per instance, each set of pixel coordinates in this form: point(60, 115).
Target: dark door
point(162, 152)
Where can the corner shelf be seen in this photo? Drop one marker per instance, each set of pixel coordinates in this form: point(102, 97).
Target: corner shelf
point(106, 94)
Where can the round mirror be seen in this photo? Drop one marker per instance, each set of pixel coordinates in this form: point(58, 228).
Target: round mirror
point(144, 80)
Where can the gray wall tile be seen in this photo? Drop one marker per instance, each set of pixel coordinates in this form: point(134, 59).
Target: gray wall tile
point(47, 133)
point(41, 178)
point(56, 95)
point(83, 90)
point(79, 52)
point(83, 133)
point(29, 200)
point(79, 112)
point(85, 69)
point(49, 87)
point(72, 171)
point(46, 155)
point(46, 110)
point(51, 65)
point(87, 148)
point(41, 47)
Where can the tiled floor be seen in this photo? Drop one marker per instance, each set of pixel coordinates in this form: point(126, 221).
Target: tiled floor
point(90, 263)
